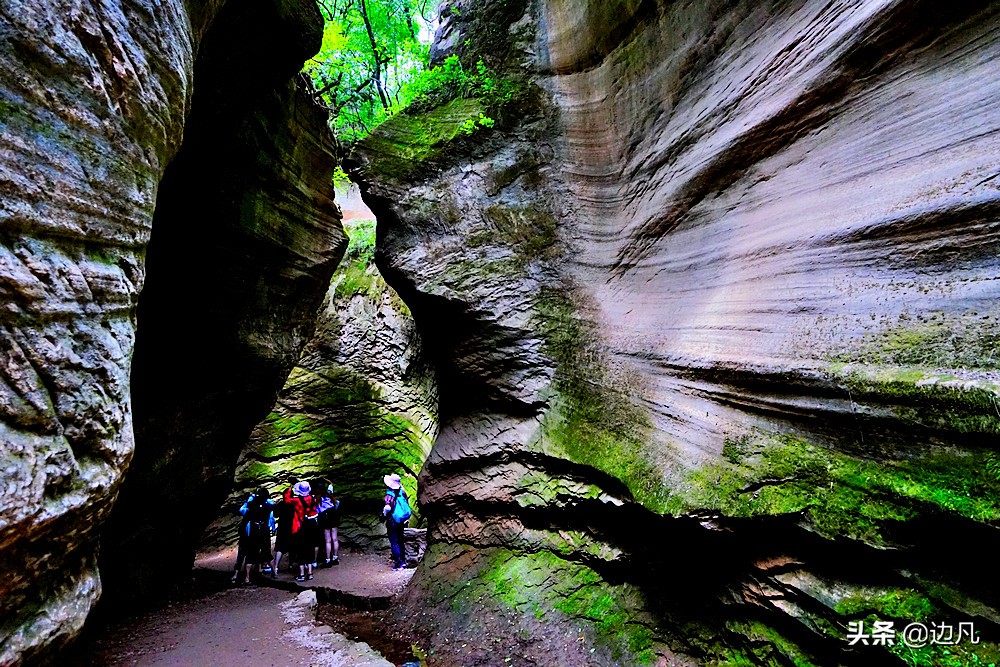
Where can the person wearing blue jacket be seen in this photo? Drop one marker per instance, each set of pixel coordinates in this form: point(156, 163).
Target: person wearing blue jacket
point(396, 513)
point(255, 535)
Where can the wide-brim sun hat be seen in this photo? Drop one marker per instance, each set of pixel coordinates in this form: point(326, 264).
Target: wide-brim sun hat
point(392, 481)
point(302, 489)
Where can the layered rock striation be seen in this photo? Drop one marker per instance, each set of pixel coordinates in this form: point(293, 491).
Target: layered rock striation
point(245, 238)
point(94, 104)
point(713, 308)
point(91, 116)
point(361, 403)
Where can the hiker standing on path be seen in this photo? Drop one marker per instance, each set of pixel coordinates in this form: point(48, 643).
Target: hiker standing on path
point(283, 535)
point(305, 523)
point(329, 522)
point(241, 554)
point(255, 532)
point(396, 513)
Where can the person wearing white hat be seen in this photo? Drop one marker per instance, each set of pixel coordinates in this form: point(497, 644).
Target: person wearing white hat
point(396, 513)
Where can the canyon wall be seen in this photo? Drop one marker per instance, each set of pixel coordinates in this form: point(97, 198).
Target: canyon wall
point(94, 104)
point(245, 239)
point(712, 298)
point(361, 403)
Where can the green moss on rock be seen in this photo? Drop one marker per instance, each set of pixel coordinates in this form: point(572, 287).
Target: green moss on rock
point(935, 400)
point(591, 419)
point(529, 232)
point(544, 585)
point(538, 489)
point(902, 604)
point(345, 433)
point(765, 646)
point(840, 495)
point(354, 277)
point(962, 655)
point(357, 273)
point(402, 145)
point(939, 341)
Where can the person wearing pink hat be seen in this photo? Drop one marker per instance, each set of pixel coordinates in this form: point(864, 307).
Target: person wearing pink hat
point(396, 513)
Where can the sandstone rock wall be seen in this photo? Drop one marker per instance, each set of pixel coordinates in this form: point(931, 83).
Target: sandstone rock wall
point(93, 104)
point(713, 307)
point(92, 107)
point(245, 237)
point(361, 403)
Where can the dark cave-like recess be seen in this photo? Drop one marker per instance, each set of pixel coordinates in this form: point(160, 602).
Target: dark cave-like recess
point(245, 238)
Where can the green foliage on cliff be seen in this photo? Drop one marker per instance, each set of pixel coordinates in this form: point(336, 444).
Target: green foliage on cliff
point(372, 50)
point(361, 243)
point(373, 64)
point(400, 147)
point(452, 80)
point(357, 273)
point(446, 105)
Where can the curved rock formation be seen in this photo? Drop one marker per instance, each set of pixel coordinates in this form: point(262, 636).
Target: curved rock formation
point(245, 238)
point(90, 118)
point(361, 403)
point(713, 306)
point(93, 106)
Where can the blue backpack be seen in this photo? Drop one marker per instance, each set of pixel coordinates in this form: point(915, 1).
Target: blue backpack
point(401, 511)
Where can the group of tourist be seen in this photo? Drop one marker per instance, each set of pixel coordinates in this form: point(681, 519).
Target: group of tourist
point(304, 522)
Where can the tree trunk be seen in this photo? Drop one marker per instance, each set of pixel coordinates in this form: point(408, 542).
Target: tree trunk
point(378, 59)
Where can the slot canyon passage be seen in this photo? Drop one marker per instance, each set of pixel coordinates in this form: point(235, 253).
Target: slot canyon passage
point(687, 356)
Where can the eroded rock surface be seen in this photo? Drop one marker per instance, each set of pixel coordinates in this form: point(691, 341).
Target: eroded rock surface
point(245, 238)
point(713, 306)
point(93, 104)
point(361, 403)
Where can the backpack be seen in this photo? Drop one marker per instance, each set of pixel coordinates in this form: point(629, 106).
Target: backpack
point(401, 510)
point(257, 518)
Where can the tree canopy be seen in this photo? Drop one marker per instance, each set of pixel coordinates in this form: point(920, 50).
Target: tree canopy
point(372, 50)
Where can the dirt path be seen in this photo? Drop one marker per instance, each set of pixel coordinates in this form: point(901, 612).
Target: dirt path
point(246, 625)
point(358, 574)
